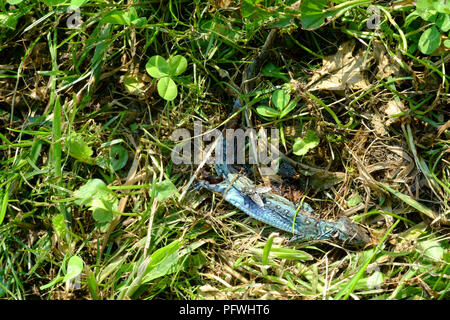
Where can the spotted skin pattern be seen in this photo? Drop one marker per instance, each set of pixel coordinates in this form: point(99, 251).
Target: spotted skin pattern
point(281, 213)
point(275, 210)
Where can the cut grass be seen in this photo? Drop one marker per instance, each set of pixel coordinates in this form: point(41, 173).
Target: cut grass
point(69, 83)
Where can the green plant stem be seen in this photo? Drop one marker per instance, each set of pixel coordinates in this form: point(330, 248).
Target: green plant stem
point(351, 285)
point(331, 112)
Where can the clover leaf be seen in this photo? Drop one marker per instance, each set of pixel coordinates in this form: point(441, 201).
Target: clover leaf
point(164, 70)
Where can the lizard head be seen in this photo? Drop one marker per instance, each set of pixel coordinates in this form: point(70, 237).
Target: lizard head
point(349, 233)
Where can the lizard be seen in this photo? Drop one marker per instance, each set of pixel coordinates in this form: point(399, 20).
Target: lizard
point(266, 206)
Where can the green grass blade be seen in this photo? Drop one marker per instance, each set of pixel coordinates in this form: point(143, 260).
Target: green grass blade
point(409, 201)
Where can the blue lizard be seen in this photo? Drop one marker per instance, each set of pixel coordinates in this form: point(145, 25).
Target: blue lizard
point(281, 213)
point(276, 210)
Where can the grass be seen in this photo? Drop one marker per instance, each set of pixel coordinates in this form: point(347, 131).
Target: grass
point(90, 204)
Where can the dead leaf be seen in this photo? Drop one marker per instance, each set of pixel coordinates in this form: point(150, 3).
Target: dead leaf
point(342, 70)
point(378, 125)
point(211, 293)
point(325, 179)
point(222, 4)
point(394, 107)
point(444, 127)
point(386, 65)
point(133, 83)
